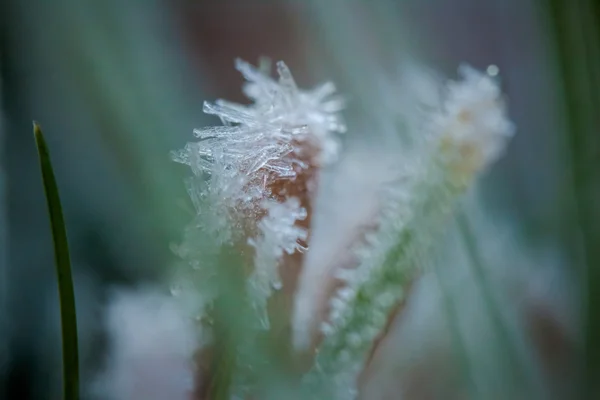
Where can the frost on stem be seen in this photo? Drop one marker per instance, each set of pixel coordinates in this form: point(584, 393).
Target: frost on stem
point(278, 235)
point(253, 176)
point(463, 136)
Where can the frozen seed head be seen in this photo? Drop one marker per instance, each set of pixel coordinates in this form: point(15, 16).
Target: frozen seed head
point(268, 135)
point(268, 149)
point(473, 125)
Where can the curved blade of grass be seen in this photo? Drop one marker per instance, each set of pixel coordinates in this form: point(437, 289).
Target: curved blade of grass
point(63, 271)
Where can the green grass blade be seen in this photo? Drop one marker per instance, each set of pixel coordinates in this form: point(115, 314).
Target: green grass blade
point(459, 345)
point(63, 271)
point(576, 36)
point(515, 364)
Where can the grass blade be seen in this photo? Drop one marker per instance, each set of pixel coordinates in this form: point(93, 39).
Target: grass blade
point(63, 271)
point(574, 25)
point(515, 364)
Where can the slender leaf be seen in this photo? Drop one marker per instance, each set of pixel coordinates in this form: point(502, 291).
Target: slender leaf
point(574, 25)
point(514, 358)
point(63, 271)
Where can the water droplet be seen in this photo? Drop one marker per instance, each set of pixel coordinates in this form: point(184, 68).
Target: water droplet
point(493, 70)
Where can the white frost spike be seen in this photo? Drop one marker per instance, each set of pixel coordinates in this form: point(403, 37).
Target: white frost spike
point(473, 120)
point(281, 113)
point(260, 143)
point(279, 234)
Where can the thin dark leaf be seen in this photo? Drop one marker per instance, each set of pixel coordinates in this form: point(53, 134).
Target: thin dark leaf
point(63, 271)
point(574, 25)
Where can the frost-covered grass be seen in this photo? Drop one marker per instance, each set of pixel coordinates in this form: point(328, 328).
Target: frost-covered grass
point(299, 270)
point(256, 180)
point(332, 250)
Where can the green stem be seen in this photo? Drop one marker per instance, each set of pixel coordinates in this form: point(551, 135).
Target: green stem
point(574, 26)
point(63, 271)
point(460, 347)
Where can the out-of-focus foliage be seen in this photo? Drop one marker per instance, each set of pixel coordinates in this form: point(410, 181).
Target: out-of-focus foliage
point(575, 30)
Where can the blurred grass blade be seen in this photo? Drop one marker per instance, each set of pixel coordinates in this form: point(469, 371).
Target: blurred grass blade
point(514, 359)
point(63, 271)
point(459, 345)
point(575, 28)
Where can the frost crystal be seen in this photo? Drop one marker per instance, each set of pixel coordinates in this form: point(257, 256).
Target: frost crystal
point(283, 132)
point(259, 142)
point(278, 235)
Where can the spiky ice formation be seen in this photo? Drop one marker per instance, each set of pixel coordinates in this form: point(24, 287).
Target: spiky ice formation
point(266, 150)
point(278, 235)
point(466, 134)
point(282, 133)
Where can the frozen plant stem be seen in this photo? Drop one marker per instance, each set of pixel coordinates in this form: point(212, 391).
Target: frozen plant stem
point(467, 133)
point(361, 310)
point(253, 188)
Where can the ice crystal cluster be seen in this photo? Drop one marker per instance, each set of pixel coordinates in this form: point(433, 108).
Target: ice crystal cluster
point(258, 142)
point(254, 182)
point(243, 168)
